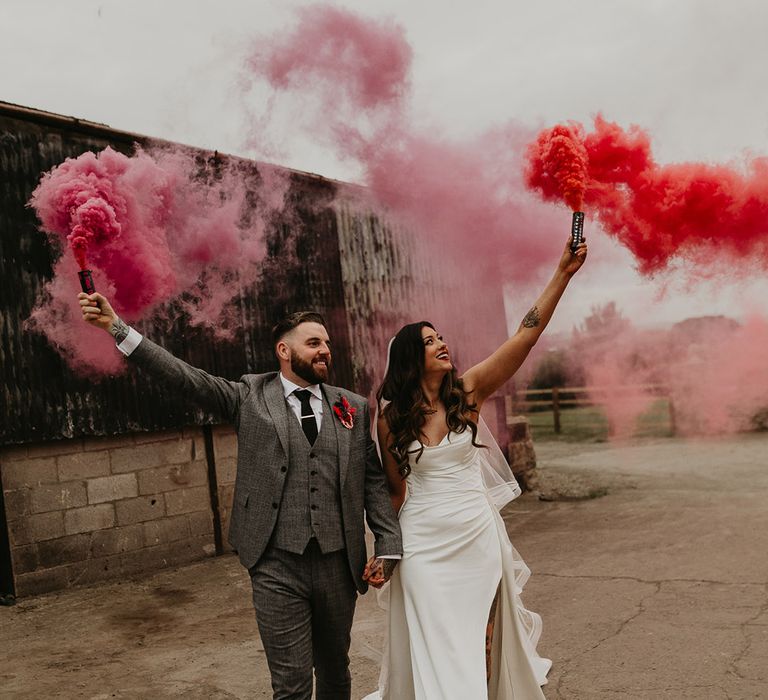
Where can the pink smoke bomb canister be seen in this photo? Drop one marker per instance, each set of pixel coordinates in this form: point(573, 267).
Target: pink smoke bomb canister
point(78, 241)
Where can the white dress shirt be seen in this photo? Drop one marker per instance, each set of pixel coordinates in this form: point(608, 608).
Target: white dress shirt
point(315, 400)
point(130, 342)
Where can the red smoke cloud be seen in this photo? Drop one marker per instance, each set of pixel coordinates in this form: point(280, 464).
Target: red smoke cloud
point(557, 164)
point(706, 216)
point(152, 228)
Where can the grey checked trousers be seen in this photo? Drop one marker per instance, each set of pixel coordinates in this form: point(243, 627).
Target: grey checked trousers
point(304, 608)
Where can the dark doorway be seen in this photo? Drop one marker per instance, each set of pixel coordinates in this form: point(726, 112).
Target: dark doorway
point(7, 590)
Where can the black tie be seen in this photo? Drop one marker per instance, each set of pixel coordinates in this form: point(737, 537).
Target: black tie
point(308, 420)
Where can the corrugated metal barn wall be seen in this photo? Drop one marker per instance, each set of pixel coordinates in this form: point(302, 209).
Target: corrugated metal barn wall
point(42, 399)
point(330, 254)
point(378, 283)
point(391, 276)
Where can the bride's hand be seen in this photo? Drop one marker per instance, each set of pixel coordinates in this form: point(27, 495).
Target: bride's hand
point(571, 262)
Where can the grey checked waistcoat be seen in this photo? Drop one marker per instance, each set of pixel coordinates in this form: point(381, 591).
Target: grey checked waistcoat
point(310, 505)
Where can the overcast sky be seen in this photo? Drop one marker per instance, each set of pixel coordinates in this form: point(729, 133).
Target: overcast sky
point(693, 73)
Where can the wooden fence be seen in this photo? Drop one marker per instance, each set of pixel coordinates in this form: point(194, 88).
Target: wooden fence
point(558, 399)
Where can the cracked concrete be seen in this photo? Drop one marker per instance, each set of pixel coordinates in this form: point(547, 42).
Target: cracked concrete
point(657, 590)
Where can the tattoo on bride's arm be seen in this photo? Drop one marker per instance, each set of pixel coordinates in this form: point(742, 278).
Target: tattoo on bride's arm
point(532, 318)
point(119, 330)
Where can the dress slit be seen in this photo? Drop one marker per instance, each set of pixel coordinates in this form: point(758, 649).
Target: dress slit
point(489, 634)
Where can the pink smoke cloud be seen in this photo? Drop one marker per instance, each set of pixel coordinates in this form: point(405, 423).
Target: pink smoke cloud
point(86, 350)
point(462, 218)
point(718, 376)
point(460, 214)
point(153, 226)
point(351, 60)
point(712, 369)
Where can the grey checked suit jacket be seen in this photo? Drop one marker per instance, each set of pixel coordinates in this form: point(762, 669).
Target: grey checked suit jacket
point(256, 406)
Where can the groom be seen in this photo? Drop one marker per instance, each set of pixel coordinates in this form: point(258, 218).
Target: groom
point(307, 471)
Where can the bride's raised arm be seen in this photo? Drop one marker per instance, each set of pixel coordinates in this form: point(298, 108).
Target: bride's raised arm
point(487, 376)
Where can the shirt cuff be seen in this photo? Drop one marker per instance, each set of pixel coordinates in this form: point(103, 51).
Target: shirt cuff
point(131, 342)
point(390, 556)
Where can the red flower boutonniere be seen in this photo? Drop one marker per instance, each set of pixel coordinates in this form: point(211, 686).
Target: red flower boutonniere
point(345, 412)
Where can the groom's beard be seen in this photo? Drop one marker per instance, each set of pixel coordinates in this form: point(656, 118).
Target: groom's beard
point(310, 371)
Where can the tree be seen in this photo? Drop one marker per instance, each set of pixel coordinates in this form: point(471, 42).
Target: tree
point(605, 322)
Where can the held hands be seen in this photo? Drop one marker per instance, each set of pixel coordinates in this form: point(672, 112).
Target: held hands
point(378, 571)
point(97, 310)
point(571, 262)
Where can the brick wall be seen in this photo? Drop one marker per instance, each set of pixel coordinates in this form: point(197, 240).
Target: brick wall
point(80, 511)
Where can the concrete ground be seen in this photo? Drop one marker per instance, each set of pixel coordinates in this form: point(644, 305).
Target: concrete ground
point(650, 570)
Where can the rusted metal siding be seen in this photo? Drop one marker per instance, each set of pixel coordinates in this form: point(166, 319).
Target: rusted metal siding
point(39, 394)
point(378, 282)
point(391, 277)
point(329, 254)
point(41, 398)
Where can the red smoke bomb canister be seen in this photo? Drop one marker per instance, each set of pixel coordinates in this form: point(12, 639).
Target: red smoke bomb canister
point(577, 230)
point(86, 281)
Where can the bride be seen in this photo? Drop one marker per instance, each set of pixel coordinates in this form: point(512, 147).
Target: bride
point(459, 576)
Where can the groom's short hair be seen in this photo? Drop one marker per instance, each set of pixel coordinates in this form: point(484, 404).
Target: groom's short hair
point(287, 324)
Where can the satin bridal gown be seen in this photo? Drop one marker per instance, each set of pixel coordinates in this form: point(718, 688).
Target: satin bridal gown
point(456, 555)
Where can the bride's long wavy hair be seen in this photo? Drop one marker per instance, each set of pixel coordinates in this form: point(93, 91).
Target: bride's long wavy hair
point(406, 409)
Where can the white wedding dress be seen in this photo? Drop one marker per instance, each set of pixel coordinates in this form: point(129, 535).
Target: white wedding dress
point(456, 555)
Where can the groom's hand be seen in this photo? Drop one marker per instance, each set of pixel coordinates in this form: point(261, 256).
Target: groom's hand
point(97, 310)
point(378, 571)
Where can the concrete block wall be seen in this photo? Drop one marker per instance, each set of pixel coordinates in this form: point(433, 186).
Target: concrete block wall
point(85, 510)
